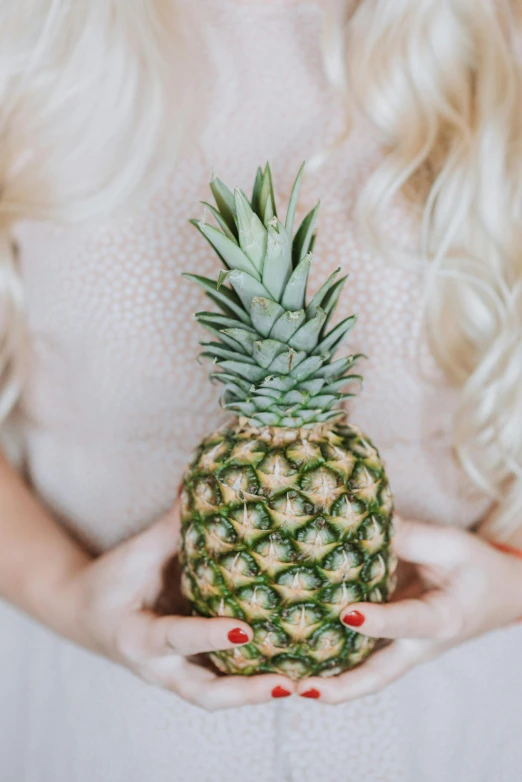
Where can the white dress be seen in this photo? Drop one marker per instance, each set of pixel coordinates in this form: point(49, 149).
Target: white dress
point(116, 401)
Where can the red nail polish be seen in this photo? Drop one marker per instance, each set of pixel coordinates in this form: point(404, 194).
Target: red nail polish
point(311, 693)
point(353, 619)
point(237, 636)
point(280, 692)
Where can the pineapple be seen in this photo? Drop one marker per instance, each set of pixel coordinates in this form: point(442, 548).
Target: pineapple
point(286, 511)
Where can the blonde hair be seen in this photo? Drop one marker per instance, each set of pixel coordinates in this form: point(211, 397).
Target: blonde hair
point(93, 113)
point(439, 80)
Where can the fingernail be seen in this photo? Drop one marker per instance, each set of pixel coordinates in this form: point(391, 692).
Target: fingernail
point(237, 636)
point(280, 692)
point(353, 618)
point(311, 693)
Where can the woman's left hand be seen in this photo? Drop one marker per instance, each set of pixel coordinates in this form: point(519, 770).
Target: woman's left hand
point(468, 588)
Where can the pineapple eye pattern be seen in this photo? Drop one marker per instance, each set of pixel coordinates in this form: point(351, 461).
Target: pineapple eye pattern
point(286, 511)
point(336, 597)
point(327, 642)
point(303, 618)
point(292, 504)
point(219, 535)
point(224, 606)
point(288, 558)
point(347, 556)
point(247, 452)
point(212, 455)
point(278, 546)
point(299, 582)
point(270, 638)
point(251, 516)
point(238, 567)
point(206, 496)
point(317, 534)
point(239, 480)
point(303, 453)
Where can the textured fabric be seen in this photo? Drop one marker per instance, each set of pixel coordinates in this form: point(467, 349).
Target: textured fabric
point(116, 401)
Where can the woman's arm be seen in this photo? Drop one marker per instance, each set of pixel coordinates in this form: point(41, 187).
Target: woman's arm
point(487, 531)
point(37, 556)
point(104, 603)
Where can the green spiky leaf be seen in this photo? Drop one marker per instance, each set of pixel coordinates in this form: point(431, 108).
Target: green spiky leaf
point(303, 237)
point(273, 355)
point(224, 199)
point(308, 335)
point(236, 346)
point(256, 192)
point(223, 297)
point(292, 204)
point(245, 408)
point(277, 267)
point(332, 340)
point(220, 321)
point(286, 326)
point(252, 233)
point(264, 313)
point(265, 351)
point(308, 368)
point(231, 253)
point(246, 287)
point(319, 297)
point(286, 362)
point(244, 337)
point(218, 350)
point(332, 297)
point(294, 294)
point(267, 205)
point(250, 372)
point(219, 219)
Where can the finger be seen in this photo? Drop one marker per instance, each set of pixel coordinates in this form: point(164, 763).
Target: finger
point(381, 669)
point(193, 635)
point(203, 688)
point(430, 544)
point(142, 557)
point(412, 590)
point(429, 616)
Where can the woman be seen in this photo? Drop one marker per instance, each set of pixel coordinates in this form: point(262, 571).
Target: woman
point(113, 115)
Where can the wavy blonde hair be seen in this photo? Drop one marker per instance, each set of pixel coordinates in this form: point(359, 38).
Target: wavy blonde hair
point(441, 81)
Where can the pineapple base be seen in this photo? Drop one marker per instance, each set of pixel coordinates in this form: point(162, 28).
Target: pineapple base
point(283, 528)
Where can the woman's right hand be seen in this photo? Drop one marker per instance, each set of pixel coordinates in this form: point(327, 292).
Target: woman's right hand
point(108, 602)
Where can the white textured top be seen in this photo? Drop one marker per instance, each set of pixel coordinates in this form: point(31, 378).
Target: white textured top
point(116, 401)
point(116, 396)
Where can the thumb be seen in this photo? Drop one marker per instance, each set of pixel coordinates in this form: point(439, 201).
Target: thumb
point(143, 556)
point(430, 544)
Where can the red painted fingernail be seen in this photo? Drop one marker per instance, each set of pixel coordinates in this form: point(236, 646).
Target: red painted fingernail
point(237, 636)
point(280, 692)
point(311, 693)
point(353, 618)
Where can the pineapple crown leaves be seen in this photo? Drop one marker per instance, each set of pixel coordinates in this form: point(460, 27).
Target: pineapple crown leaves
point(274, 352)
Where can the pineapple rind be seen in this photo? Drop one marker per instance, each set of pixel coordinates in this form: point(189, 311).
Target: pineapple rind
point(282, 529)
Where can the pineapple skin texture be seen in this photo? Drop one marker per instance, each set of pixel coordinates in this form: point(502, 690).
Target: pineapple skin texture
point(283, 528)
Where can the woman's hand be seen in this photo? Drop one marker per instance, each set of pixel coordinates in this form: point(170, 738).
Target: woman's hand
point(467, 588)
point(108, 602)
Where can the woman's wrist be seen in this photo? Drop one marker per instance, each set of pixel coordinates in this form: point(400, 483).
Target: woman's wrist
point(516, 554)
point(56, 599)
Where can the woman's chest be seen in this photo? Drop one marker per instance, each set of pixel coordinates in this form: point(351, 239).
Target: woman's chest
point(112, 319)
point(115, 382)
